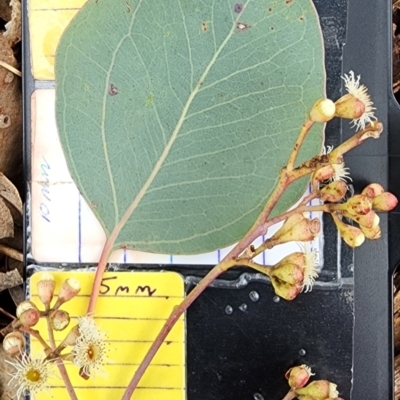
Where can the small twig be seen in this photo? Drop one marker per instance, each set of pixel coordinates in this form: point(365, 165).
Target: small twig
point(299, 209)
point(60, 363)
point(50, 333)
point(7, 314)
point(7, 329)
point(258, 227)
point(37, 336)
point(264, 269)
point(313, 195)
point(290, 395)
point(373, 130)
point(10, 68)
point(10, 252)
point(299, 142)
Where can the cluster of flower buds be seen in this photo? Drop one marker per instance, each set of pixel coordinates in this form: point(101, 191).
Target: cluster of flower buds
point(362, 209)
point(28, 313)
point(356, 105)
point(87, 341)
point(294, 273)
point(298, 378)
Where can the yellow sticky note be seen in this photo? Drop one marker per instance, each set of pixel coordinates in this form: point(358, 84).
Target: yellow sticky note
point(132, 309)
point(47, 21)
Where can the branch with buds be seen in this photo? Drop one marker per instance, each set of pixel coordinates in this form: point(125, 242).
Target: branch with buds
point(298, 378)
point(292, 275)
point(32, 374)
point(298, 271)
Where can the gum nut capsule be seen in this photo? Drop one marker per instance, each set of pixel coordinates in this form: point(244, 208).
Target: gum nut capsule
point(13, 343)
point(25, 305)
point(59, 320)
point(45, 287)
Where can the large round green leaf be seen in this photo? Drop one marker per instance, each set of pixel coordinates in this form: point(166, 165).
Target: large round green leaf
point(188, 109)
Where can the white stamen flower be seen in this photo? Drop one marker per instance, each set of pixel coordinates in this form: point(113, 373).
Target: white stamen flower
point(32, 374)
point(310, 269)
point(359, 92)
point(308, 369)
point(341, 173)
point(89, 352)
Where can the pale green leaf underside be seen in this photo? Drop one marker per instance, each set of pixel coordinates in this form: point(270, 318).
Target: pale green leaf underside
point(187, 108)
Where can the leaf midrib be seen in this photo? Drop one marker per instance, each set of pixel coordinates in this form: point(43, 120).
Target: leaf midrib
point(176, 130)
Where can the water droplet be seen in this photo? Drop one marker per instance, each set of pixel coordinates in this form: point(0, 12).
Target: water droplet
point(276, 299)
point(243, 307)
point(254, 296)
point(228, 310)
point(257, 396)
point(302, 352)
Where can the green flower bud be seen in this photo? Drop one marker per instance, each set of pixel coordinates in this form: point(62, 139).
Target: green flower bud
point(353, 236)
point(320, 390)
point(323, 111)
point(384, 202)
